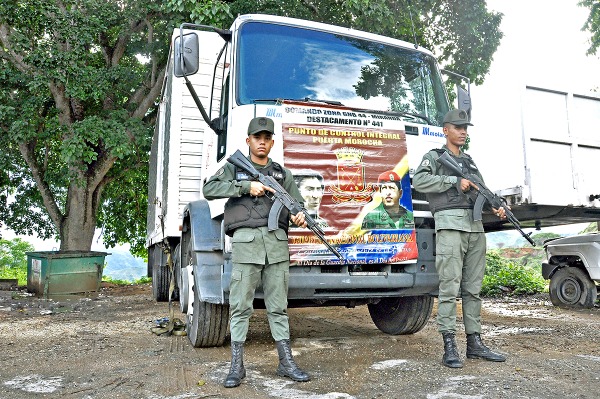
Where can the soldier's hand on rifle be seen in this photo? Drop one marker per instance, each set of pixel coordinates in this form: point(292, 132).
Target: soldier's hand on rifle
point(258, 189)
point(465, 185)
point(298, 219)
point(500, 212)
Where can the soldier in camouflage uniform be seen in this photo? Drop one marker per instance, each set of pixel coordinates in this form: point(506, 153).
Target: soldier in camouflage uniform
point(460, 241)
point(389, 214)
point(259, 255)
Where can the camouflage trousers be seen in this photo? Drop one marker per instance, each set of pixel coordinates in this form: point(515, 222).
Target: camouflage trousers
point(460, 263)
point(245, 279)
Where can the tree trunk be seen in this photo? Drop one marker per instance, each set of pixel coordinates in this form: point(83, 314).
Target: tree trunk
point(79, 224)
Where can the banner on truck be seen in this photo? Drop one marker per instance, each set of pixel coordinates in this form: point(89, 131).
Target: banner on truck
point(352, 171)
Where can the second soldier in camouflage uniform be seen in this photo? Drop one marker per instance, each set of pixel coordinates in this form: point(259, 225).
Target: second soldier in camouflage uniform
point(460, 241)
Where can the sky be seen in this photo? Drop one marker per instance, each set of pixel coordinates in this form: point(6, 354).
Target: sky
point(543, 46)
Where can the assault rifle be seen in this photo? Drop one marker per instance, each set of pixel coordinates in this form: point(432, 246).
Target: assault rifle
point(280, 198)
point(484, 194)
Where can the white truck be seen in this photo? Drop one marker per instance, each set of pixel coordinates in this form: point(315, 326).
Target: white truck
point(349, 106)
point(346, 104)
point(552, 178)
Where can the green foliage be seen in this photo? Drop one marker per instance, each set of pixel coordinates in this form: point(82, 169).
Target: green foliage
point(140, 281)
point(13, 259)
point(539, 238)
point(211, 12)
point(592, 24)
point(591, 228)
point(506, 278)
point(80, 79)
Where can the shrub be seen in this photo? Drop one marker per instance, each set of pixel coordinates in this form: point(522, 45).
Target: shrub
point(503, 277)
point(13, 259)
point(140, 281)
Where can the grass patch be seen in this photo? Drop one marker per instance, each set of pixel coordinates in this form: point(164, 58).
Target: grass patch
point(139, 281)
point(506, 277)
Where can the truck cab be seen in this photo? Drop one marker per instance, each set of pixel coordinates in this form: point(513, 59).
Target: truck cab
point(348, 107)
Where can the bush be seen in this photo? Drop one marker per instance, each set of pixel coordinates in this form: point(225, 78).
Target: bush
point(506, 278)
point(13, 259)
point(140, 281)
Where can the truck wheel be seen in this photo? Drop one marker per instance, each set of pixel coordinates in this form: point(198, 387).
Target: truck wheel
point(571, 287)
point(403, 315)
point(183, 279)
point(206, 322)
point(160, 276)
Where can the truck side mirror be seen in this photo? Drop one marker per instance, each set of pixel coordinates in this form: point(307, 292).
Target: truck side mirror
point(186, 61)
point(464, 100)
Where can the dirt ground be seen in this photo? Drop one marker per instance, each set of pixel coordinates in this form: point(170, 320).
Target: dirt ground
point(102, 347)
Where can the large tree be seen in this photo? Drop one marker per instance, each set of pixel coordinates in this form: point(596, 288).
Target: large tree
point(79, 81)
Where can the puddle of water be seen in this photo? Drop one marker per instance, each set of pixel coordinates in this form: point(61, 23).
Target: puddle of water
point(182, 396)
point(35, 383)
point(590, 357)
point(279, 387)
point(517, 331)
point(452, 384)
point(517, 309)
point(386, 364)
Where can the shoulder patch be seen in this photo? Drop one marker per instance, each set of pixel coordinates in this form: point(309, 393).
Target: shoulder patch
point(220, 171)
point(425, 162)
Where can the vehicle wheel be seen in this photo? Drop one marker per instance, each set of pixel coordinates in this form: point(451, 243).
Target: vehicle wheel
point(403, 315)
point(183, 278)
point(160, 277)
point(176, 271)
point(571, 287)
point(206, 322)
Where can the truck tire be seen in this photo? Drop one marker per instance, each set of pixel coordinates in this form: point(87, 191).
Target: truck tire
point(206, 323)
point(403, 315)
point(160, 276)
point(181, 272)
point(572, 288)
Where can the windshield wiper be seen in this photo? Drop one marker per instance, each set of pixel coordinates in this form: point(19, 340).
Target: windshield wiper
point(303, 100)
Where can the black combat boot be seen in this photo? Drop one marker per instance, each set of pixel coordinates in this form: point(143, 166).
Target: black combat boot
point(451, 358)
point(287, 367)
point(237, 371)
point(477, 350)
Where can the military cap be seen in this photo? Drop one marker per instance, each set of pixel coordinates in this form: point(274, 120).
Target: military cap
point(261, 124)
point(457, 117)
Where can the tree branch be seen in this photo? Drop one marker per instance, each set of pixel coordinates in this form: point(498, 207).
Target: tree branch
point(62, 103)
point(28, 154)
point(121, 44)
point(311, 7)
point(150, 97)
point(7, 51)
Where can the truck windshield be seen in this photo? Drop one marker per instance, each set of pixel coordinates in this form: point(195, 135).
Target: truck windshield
point(286, 62)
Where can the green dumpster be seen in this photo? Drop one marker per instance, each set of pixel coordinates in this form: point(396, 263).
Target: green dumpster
point(64, 272)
